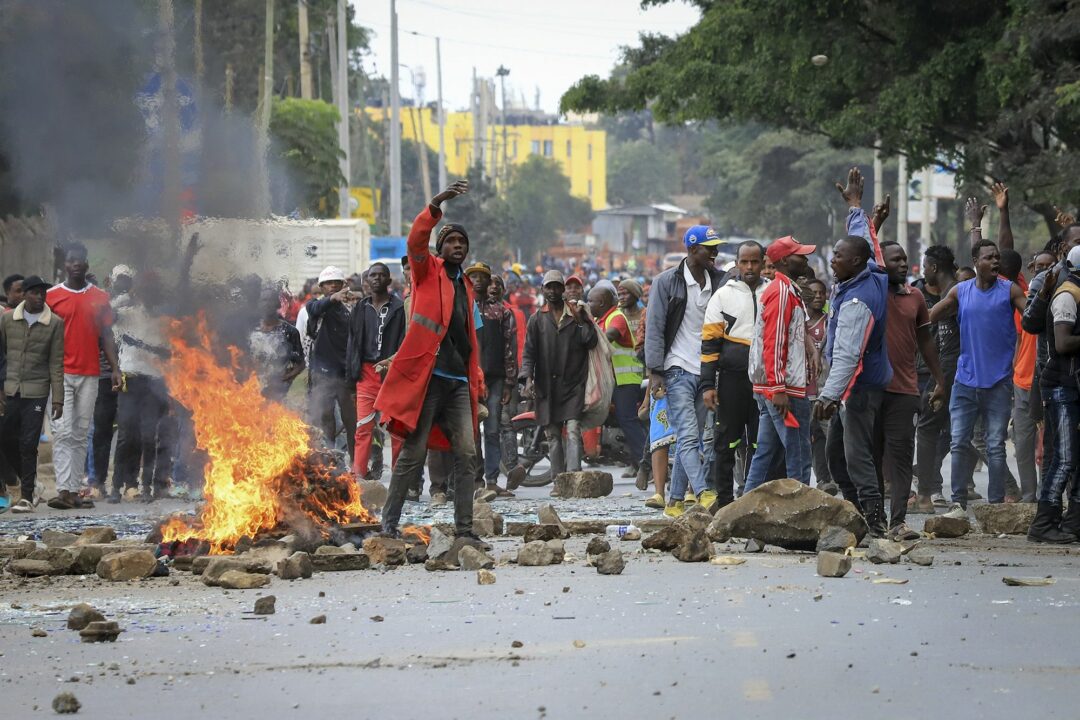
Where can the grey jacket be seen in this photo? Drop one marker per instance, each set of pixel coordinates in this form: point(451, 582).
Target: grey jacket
point(34, 354)
point(667, 305)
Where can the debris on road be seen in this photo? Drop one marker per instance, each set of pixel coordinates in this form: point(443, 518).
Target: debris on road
point(66, 704)
point(1028, 581)
point(485, 577)
point(82, 615)
point(583, 484)
point(100, 631)
point(945, 526)
point(265, 605)
point(833, 564)
point(610, 563)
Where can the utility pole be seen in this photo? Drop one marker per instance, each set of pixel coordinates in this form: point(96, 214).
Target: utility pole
point(927, 193)
point(901, 205)
point(342, 94)
point(502, 72)
point(879, 181)
point(442, 116)
point(262, 134)
point(418, 80)
point(395, 127)
point(365, 147)
point(305, 58)
point(170, 119)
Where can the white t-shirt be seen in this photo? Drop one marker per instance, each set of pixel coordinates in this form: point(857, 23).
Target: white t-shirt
point(685, 350)
point(31, 318)
point(1063, 309)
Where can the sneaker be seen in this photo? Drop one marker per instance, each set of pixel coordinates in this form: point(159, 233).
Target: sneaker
point(63, 501)
point(516, 475)
point(830, 488)
point(473, 539)
point(921, 505)
point(500, 492)
point(939, 500)
point(903, 532)
point(973, 494)
point(438, 499)
point(690, 498)
point(23, 506)
point(412, 495)
point(675, 508)
point(485, 494)
point(113, 498)
point(956, 510)
point(708, 500)
point(656, 502)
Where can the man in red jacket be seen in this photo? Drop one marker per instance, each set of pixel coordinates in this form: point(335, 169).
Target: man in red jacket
point(431, 390)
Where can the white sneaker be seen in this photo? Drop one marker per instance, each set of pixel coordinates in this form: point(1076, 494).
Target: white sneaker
point(23, 506)
point(956, 511)
point(939, 500)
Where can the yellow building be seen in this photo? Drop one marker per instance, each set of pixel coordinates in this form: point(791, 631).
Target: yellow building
point(580, 151)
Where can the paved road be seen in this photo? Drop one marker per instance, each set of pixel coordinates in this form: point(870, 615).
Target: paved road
point(765, 639)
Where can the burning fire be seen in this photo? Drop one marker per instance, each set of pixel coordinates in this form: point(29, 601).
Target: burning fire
point(261, 470)
point(417, 533)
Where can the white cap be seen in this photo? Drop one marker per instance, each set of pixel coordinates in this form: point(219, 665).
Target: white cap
point(119, 270)
point(331, 272)
point(1074, 257)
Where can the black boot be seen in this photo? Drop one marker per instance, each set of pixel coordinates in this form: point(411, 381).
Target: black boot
point(875, 521)
point(1044, 528)
point(1070, 523)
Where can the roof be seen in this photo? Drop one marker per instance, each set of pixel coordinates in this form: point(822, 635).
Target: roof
point(642, 210)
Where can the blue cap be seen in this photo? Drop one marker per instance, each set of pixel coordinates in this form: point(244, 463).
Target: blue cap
point(701, 235)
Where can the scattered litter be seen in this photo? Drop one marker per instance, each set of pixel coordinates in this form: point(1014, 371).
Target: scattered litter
point(66, 704)
point(889, 581)
point(579, 644)
point(726, 560)
point(1028, 581)
point(900, 601)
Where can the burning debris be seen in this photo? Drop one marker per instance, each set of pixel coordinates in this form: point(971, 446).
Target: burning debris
point(262, 477)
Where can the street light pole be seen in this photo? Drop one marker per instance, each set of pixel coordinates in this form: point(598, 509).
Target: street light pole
point(343, 108)
point(442, 115)
point(395, 127)
point(502, 72)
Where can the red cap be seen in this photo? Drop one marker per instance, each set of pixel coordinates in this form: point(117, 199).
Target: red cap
point(573, 279)
point(787, 245)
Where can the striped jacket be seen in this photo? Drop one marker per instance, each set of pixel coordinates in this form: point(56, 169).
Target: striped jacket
point(778, 350)
point(729, 327)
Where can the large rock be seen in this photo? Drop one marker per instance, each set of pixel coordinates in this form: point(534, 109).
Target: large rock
point(416, 554)
point(543, 532)
point(439, 543)
point(96, 535)
point(57, 538)
point(87, 557)
point(25, 567)
point(82, 615)
point(944, 526)
point(247, 563)
point(240, 580)
point(61, 558)
point(535, 554)
point(16, 550)
point(694, 519)
point(583, 484)
point(341, 562)
point(295, 567)
point(472, 558)
point(557, 549)
point(486, 521)
point(597, 546)
point(920, 556)
point(667, 539)
point(785, 513)
point(836, 540)
point(610, 563)
point(547, 515)
point(880, 551)
point(372, 494)
point(833, 564)
point(1005, 518)
point(385, 551)
point(127, 565)
point(218, 565)
point(697, 549)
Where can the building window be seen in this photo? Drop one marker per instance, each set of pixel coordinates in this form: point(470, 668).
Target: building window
point(535, 147)
point(549, 148)
point(567, 148)
point(589, 154)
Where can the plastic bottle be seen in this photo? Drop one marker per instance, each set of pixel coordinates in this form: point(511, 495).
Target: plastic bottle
point(618, 532)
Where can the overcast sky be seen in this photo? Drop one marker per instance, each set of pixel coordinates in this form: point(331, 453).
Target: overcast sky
point(546, 45)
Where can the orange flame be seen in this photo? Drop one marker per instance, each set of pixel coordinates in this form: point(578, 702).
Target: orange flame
point(417, 533)
point(259, 465)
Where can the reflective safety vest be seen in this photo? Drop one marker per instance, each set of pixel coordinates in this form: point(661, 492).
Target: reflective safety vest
point(628, 369)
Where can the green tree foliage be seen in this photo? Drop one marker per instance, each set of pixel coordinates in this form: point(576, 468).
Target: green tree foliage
point(990, 87)
point(304, 136)
point(639, 172)
point(539, 204)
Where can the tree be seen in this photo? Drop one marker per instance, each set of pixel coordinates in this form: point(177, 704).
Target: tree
point(988, 87)
point(639, 172)
point(304, 135)
point(539, 204)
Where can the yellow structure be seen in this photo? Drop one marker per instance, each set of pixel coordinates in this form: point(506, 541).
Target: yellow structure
point(579, 150)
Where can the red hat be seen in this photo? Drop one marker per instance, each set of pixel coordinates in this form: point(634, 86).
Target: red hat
point(574, 279)
point(787, 245)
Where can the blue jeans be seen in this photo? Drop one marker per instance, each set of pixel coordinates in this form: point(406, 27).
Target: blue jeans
point(687, 413)
point(1061, 420)
point(493, 430)
point(994, 406)
point(775, 437)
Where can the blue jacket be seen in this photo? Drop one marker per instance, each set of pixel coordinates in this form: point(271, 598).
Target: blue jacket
point(862, 340)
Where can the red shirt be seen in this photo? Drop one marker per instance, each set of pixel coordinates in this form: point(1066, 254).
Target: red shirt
point(906, 314)
point(1024, 366)
point(618, 322)
point(86, 314)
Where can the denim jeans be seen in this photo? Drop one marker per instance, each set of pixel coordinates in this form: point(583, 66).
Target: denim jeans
point(564, 453)
point(1062, 417)
point(447, 405)
point(994, 406)
point(1025, 437)
point(493, 430)
point(774, 436)
point(687, 414)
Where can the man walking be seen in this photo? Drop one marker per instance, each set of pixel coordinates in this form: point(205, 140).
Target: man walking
point(779, 369)
point(907, 336)
point(328, 323)
point(87, 317)
point(555, 367)
point(434, 383)
point(730, 320)
point(674, 319)
point(32, 346)
point(376, 331)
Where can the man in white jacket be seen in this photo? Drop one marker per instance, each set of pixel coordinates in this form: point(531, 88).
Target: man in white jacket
point(725, 357)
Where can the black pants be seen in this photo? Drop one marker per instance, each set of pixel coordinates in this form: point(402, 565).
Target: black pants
point(933, 435)
point(448, 406)
point(326, 392)
point(627, 399)
point(894, 447)
point(146, 434)
point(22, 422)
point(850, 447)
point(104, 420)
point(736, 423)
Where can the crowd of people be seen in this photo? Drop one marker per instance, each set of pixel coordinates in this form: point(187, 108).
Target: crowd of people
point(721, 381)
